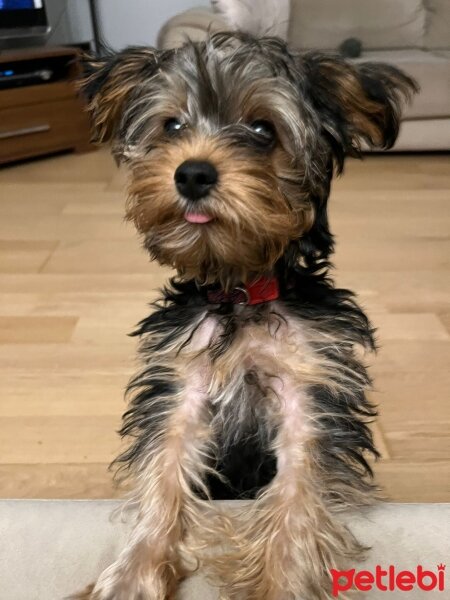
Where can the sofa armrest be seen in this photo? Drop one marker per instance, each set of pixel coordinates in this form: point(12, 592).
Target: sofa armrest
point(193, 24)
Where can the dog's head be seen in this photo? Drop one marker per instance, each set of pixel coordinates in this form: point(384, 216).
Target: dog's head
point(232, 144)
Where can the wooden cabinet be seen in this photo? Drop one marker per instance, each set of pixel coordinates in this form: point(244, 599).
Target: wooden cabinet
point(46, 117)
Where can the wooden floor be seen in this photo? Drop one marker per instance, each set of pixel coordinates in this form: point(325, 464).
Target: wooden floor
point(73, 282)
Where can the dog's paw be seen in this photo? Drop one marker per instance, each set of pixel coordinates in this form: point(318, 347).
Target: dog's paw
point(86, 594)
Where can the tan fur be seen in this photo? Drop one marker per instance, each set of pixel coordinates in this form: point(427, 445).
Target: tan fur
point(288, 381)
point(279, 547)
point(285, 542)
point(366, 116)
point(364, 113)
point(107, 106)
point(226, 249)
point(150, 567)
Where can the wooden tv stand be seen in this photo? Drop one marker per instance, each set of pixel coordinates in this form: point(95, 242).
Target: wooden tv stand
point(42, 118)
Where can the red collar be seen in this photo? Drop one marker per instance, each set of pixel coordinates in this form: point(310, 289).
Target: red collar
point(263, 289)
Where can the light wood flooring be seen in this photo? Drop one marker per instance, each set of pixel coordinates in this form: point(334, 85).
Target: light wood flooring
point(73, 283)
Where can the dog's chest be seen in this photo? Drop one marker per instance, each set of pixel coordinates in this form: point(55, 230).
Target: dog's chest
point(246, 360)
point(251, 378)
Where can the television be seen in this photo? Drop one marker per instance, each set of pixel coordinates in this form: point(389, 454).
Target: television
point(22, 18)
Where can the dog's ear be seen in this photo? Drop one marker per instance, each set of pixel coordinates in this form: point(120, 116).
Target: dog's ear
point(108, 81)
point(356, 102)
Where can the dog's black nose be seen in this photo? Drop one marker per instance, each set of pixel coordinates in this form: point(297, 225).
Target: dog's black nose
point(195, 178)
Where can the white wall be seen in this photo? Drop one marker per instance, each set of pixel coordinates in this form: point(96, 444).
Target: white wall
point(126, 22)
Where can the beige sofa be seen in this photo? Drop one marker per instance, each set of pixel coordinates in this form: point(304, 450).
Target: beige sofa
point(51, 548)
point(412, 34)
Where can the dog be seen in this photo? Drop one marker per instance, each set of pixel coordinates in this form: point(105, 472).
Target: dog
point(252, 385)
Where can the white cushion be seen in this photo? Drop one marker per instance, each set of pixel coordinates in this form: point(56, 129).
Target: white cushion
point(377, 23)
point(50, 549)
point(422, 135)
point(437, 33)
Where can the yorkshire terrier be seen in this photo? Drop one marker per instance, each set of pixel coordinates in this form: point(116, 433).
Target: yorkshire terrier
point(252, 384)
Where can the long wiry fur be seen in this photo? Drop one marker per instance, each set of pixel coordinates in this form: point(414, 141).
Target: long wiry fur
point(311, 417)
point(261, 402)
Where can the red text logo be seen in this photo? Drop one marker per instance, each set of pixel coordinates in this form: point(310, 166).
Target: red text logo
point(388, 579)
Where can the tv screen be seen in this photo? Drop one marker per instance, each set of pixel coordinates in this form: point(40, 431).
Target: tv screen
point(19, 4)
point(22, 17)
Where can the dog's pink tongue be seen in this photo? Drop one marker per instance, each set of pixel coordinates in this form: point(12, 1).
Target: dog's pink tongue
point(197, 218)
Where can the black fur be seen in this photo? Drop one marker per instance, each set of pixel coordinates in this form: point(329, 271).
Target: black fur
point(331, 119)
point(339, 105)
point(254, 405)
point(248, 464)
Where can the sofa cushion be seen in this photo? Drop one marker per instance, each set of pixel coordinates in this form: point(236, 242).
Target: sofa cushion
point(431, 69)
point(378, 24)
point(423, 135)
point(437, 33)
point(51, 548)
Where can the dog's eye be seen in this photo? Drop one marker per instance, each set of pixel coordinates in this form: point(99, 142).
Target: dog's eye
point(173, 126)
point(265, 129)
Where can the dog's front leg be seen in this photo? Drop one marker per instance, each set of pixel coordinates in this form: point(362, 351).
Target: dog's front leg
point(288, 541)
point(170, 465)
